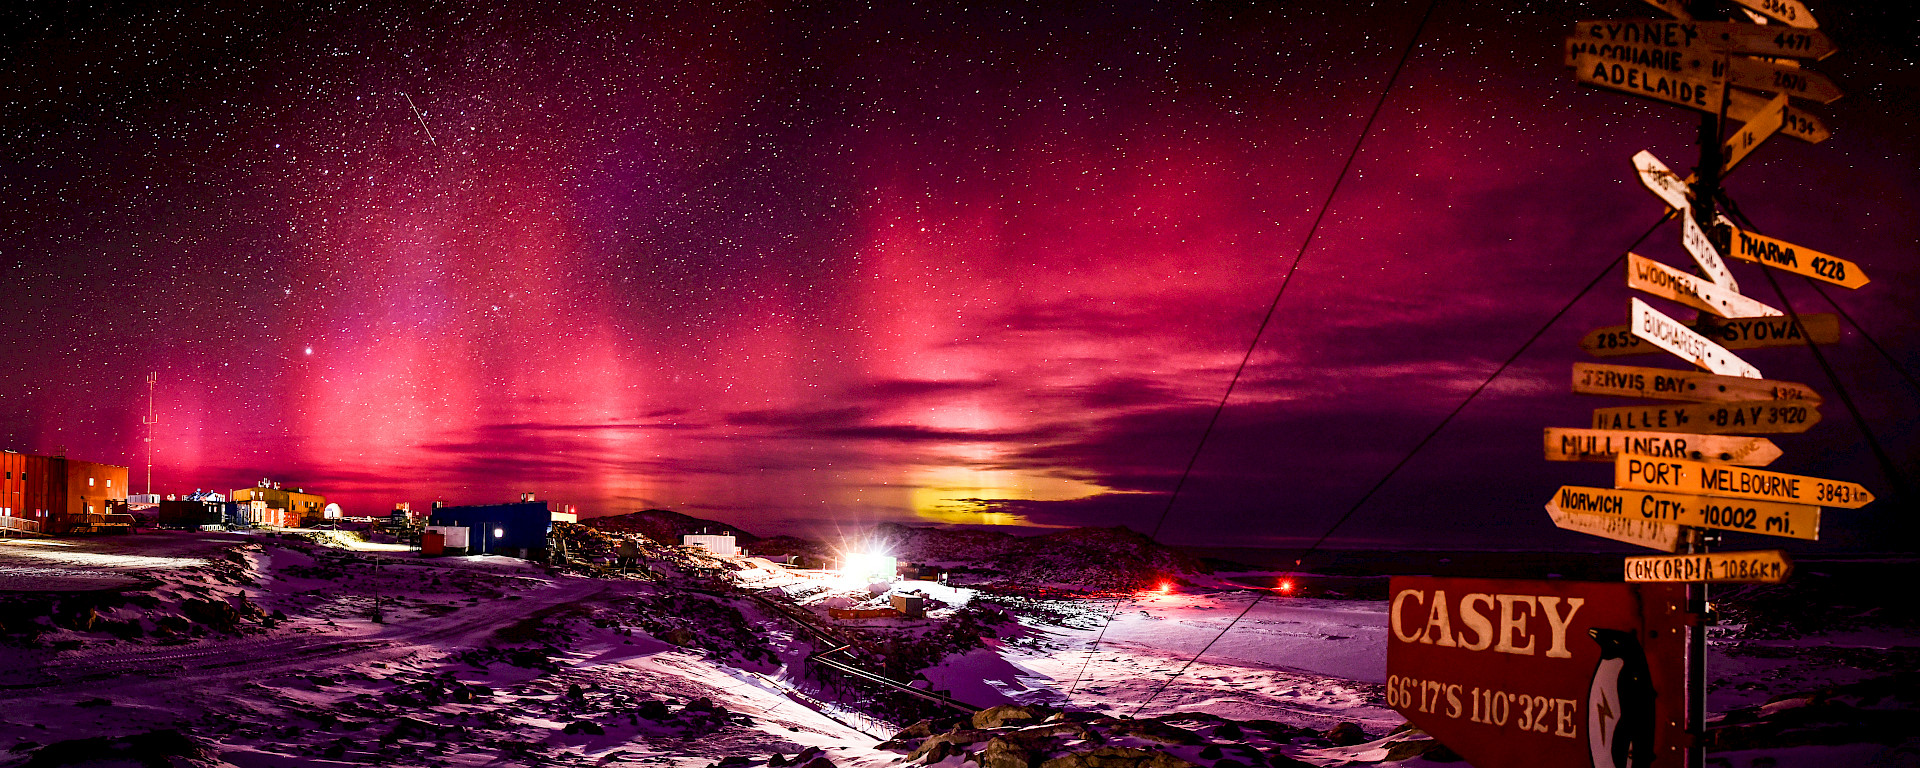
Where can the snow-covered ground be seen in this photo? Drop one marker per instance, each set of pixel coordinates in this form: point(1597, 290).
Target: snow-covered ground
point(1299, 661)
point(367, 654)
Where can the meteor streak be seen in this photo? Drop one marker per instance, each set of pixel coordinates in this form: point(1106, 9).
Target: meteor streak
point(421, 118)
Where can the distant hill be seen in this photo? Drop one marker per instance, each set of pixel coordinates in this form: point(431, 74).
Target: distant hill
point(1108, 558)
point(666, 526)
point(1101, 558)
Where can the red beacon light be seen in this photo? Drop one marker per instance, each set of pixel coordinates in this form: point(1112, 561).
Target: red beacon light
point(1285, 587)
point(1166, 587)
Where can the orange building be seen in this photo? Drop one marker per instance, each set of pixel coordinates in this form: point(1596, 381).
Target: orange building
point(270, 505)
point(58, 495)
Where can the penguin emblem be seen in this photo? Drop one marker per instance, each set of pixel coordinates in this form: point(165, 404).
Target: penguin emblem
point(1620, 703)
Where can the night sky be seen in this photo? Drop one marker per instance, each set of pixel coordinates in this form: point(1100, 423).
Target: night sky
point(810, 267)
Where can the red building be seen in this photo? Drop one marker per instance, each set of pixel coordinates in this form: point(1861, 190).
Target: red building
point(58, 495)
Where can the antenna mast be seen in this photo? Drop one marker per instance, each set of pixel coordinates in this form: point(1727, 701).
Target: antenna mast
point(149, 421)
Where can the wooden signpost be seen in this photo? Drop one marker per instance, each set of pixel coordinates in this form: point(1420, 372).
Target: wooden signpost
point(1762, 127)
point(1748, 418)
point(1724, 37)
point(1735, 482)
point(1770, 40)
point(1799, 123)
point(1686, 386)
point(1783, 79)
point(1661, 536)
point(1677, 88)
point(1564, 444)
point(1662, 182)
point(1793, 521)
point(1743, 333)
point(1652, 326)
point(1764, 567)
point(1682, 468)
point(1800, 260)
point(1649, 276)
point(1793, 13)
point(1700, 246)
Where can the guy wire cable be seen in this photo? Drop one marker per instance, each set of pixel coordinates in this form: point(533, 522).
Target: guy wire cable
point(1611, 266)
point(1286, 280)
point(1892, 362)
point(1846, 398)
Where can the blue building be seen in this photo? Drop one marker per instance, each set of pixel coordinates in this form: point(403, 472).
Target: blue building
point(516, 529)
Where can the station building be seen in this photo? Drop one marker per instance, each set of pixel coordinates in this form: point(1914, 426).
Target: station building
point(55, 495)
point(266, 503)
point(517, 529)
point(718, 544)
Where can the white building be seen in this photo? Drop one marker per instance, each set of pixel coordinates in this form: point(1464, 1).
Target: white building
point(721, 544)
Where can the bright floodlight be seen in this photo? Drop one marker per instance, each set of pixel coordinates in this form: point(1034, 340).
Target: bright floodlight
point(1286, 586)
point(869, 567)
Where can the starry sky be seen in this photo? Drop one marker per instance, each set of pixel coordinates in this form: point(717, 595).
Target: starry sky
point(807, 267)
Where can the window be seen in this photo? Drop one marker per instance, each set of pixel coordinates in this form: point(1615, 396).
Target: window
point(89, 482)
point(109, 482)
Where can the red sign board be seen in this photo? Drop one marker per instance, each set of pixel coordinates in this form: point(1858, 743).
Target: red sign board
point(1514, 672)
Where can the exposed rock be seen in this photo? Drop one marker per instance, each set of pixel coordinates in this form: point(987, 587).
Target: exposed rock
point(1156, 730)
point(155, 749)
point(1006, 714)
point(217, 614)
point(654, 709)
point(956, 738)
point(1117, 757)
point(1428, 749)
point(1004, 752)
point(1347, 734)
point(1881, 710)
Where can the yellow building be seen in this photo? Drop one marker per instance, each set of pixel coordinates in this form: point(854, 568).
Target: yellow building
point(269, 504)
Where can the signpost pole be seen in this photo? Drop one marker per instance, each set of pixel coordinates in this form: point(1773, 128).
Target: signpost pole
point(1706, 190)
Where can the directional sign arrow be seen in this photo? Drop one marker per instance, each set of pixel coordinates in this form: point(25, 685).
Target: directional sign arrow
point(1688, 386)
point(1661, 536)
point(1800, 260)
point(1744, 333)
point(1690, 91)
point(1798, 123)
point(1693, 61)
point(1784, 79)
point(1793, 521)
point(1728, 36)
point(1649, 276)
point(1565, 444)
point(1750, 136)
point(1651, 325)
point(1793, 13)
point(1750, 418)
point(1695, 240)
point(1763, 567)
point(1662, 182)
point(1728, 481)
point(1779, 42)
